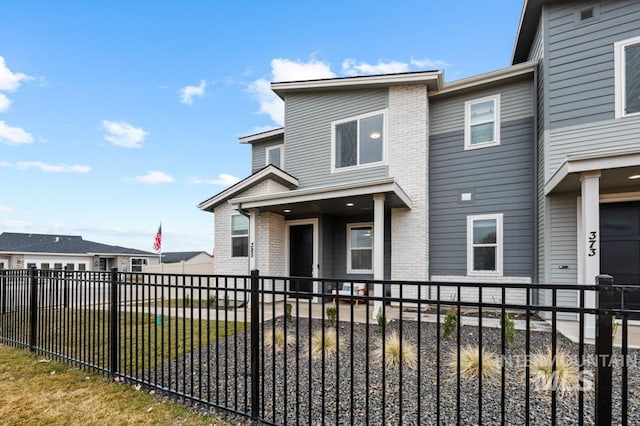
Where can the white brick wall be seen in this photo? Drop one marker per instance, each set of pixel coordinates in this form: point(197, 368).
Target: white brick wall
point(224, 264)
point(408, 155)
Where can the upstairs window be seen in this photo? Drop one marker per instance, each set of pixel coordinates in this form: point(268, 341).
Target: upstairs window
point(484, 244)
point(358, 141)
point(239, 236)
point(627, 77)
point(275, 156)
point(482, 122)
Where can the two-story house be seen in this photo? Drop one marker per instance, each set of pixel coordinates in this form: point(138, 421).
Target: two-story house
point(519, 175)
point(398, 177)
point(588, 138)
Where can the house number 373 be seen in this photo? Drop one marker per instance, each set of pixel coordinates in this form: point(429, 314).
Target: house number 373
point(593, 237)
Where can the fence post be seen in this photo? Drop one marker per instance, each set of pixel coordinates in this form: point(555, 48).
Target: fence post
point(33, 330)
point(604, 349)
point(255, 345)
point(114, 325)
point(3, 295)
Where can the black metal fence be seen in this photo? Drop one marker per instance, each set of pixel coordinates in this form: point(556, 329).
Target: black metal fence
point(365, 352)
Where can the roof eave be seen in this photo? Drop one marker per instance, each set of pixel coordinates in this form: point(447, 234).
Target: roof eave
point(262, 136)
point(427, 77)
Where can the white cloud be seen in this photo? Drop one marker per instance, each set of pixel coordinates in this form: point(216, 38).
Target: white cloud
point(154, 176)
point(46, 168)
point(5, 102)
point(224, 179)
point(14, 135)
point(285, 70)
point(429, 63)
point(20, 224)
point(288, 70)
point(6, 210)
point(123, 134)
point(351, 67)
point(10, 81)
point(189, 92)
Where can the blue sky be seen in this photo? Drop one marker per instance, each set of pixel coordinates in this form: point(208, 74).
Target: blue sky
point(116, 116)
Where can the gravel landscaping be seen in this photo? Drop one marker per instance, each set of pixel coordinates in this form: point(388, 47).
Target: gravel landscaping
point(353, 385)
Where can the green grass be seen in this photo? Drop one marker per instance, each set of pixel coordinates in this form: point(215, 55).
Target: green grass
point(35, 391)
point(145, 341)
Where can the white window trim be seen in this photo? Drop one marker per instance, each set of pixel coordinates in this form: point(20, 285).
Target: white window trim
point(358, 225)
point(496, 122)
point(236, 236)
point(145, 262)
point(620, 75)
point(357, 118)
point(499, 245)
point(271, 148)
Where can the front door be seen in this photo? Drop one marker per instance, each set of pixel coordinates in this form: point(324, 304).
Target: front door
point(620, 248)
point(301, 258)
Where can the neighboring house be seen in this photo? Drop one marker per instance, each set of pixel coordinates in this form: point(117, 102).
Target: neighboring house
point(495, 178)
point(68, 252)
point(183, 262)
point(186, 256)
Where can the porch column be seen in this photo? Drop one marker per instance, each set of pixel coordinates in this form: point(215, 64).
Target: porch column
point(253, 214)
point(590, 240)
point(378, 249)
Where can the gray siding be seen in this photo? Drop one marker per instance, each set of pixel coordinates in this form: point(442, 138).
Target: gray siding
point(580, 60)
point(258, 153)
point(622, 133)
point(537, 48)
point(308, 120)
point(447, 114)
point(563, 262)
point(499, 178)
point(334, 246)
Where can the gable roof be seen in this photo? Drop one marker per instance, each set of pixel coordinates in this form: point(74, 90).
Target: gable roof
point(13, 242)
point(267, 172)
point(179, 256)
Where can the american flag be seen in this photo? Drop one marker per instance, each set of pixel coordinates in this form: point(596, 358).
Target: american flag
point(157, 242)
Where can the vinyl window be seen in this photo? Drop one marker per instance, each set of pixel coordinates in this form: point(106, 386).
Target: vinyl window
point(484, 244)
point(239, 236)
point(358, 141)
point(137, 264)
point(627, 77)
point(360, 248)
point(275, 155)
point(482, 122)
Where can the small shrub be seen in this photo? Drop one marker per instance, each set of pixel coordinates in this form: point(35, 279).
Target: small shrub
point(450, 321)
point(470, 363)
point(397, 352)
point(381, 320)
point(564, 379)
point(324, 341)
point(187, 300)
point(332, 313)
point(509, 330)
point(278, 339)
point(212, 301)
point(287, 312)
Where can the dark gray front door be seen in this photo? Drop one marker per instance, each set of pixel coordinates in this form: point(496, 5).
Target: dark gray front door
point(620, 248)
point(301, 258)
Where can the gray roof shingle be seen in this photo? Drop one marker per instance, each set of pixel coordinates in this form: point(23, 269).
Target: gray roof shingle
point(14, 242)
point(179, 256)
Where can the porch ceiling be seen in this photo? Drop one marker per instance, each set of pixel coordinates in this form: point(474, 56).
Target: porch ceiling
point(344, 200)
point(615, 167)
